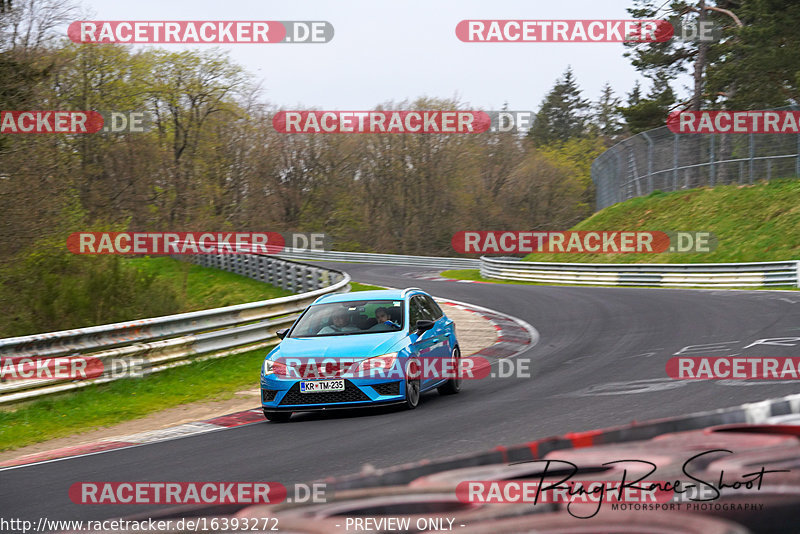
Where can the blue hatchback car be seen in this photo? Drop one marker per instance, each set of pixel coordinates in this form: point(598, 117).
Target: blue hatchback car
point(361, 349)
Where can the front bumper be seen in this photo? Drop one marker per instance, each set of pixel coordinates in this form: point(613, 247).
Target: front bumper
point(281, 394)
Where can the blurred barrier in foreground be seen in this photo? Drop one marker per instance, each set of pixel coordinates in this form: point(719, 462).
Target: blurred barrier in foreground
point(423, 496)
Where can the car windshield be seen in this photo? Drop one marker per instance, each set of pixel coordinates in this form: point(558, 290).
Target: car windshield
point(351, 317)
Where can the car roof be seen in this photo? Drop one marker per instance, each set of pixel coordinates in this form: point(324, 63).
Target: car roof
point(375, 294)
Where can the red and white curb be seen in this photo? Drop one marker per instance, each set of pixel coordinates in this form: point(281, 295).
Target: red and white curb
point(514, 336)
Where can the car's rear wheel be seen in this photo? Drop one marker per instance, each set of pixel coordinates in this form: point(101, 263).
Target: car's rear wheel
point(277, 417)
point(453, 385)
point(412, 384)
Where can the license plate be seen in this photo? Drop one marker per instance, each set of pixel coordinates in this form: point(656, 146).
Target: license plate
point(321, 386)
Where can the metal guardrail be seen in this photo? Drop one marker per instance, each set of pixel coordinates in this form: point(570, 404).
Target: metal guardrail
point(438, 262)
point(165, 342)
point(660, 160)
point(757, 274)
point(774, 273)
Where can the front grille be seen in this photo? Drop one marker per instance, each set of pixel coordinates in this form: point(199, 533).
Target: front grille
point(268, 395)
point(389, 388)
point(350, 394)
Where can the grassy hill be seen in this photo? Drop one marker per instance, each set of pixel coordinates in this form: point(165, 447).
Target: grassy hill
point(752, 223)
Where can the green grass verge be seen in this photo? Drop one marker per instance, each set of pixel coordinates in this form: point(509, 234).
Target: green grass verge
point(107, 404)
point(475, 274)
point(124, 400)
point(355, 286)
point(201, 288)
point(752, 223)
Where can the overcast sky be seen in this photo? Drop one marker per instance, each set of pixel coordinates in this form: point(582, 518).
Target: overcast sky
point(388, 50)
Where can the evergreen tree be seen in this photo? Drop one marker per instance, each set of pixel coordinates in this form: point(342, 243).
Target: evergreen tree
point(607, 120)
point(675, 56)
point(758, 64)
point(562, 115)
point(650, 112)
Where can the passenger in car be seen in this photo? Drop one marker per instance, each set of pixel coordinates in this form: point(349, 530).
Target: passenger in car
point(382, 315)
point(340, 323)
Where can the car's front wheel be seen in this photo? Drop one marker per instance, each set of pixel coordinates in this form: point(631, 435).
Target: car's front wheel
point(277, 417)
point(412, 384)
point(453, 386)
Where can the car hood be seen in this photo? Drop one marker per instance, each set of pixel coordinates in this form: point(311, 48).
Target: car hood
point(356, 346)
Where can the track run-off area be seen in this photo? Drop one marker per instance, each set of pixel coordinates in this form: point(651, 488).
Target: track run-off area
point(599, 362)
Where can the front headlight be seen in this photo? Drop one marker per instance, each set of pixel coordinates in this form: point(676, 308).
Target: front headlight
point(272, 367)
point(383, 366)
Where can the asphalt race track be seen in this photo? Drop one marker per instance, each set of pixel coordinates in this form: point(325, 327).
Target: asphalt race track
point(600, 362)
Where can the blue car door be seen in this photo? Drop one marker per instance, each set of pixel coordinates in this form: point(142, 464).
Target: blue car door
point(443, 348)
point(431, 346)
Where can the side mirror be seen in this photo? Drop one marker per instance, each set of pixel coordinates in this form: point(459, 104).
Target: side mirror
point(282, 332)
point(423, 325)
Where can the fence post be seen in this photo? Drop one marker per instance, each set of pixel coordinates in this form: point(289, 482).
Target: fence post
point(618, 189)
point(797, 158)
point(711, 173)
point(675, 162)
point(649, 163)
point(752, 156)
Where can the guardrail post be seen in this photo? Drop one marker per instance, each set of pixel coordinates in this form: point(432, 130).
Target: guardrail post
point(798, 273)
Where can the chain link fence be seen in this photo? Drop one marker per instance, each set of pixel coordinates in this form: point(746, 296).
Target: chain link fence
point(660, 160)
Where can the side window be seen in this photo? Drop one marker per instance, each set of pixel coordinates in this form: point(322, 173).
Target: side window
point(414, 312)
point(417, 311)
point(435, 310)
